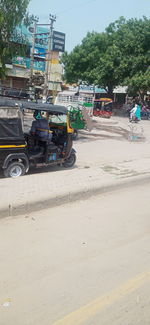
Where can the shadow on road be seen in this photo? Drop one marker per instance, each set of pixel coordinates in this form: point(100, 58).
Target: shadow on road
point(44, 169)
point(110, 130)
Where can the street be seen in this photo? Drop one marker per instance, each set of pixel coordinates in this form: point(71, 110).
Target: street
point(74, 162)
point(84, 263)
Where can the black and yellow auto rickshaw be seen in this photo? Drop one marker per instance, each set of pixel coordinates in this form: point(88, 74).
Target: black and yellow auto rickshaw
point(20, 149)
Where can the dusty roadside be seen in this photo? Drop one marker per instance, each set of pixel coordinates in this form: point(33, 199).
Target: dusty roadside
point(106, 158)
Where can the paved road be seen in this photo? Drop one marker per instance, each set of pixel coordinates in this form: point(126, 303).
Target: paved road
point(86, 263)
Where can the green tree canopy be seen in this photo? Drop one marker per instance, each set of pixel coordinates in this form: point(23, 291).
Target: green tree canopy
point(12, 13)
point(112, 58)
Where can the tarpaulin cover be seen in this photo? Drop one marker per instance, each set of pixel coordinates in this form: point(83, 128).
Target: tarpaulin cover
point(9, 112)
point(11, 128)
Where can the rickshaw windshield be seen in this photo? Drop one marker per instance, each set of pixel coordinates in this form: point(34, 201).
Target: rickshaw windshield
point(58, 119)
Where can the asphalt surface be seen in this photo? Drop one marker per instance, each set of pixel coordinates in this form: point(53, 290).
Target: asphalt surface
point(85, 263)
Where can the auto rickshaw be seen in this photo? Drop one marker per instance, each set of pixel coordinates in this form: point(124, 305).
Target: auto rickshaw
point(103, 107)
point(19, 149)
point(80, 118)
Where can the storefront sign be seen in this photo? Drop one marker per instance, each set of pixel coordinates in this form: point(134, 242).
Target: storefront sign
point(25, 63)
point(24, 35)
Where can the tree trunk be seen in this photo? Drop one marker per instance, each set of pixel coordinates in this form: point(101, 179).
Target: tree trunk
point(110, 91)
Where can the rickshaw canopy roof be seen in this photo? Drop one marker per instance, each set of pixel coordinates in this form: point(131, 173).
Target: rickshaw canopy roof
point(108, 100)
point(52, 109)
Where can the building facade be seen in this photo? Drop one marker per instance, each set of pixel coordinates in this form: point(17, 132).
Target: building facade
point(19, 69)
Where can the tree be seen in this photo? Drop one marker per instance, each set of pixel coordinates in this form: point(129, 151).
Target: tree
point(133, 37)
point(139, 84)
point(81, 62)
point(111, 58)
point(12, 13)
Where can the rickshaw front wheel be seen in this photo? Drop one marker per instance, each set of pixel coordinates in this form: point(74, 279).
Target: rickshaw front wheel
point(70, 161)
point(14, 170)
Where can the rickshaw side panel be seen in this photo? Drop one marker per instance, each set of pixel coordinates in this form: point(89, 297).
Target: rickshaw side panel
point(16, 157)
point(7, 155)
point(102, 113)
point(12, 141)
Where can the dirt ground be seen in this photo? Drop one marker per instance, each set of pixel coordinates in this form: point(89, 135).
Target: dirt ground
point(110, 153)
point(117, 128)
point(114, 141)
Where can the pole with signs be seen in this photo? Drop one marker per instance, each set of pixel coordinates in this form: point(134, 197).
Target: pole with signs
point(32, 51)
point(48, 56)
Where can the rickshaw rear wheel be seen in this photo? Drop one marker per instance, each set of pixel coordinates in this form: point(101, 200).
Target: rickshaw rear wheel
point(70, 161)
point(14, 170)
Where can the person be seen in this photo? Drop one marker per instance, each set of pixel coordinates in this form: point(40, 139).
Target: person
point(138, 111)
point(132, 113)
point(135, 113)
point(40, 127)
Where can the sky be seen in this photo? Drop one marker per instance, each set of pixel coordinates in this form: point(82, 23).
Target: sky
point(76, 18)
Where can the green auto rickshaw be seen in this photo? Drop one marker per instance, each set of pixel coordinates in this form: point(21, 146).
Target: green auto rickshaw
point(80, 118)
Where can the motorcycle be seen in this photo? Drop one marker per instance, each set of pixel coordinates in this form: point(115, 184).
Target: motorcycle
point(133, 119)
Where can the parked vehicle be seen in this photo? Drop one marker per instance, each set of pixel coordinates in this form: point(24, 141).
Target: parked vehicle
point(145, 114)
point(74, 98)
point(103, 107)
point(76, 102)
point(80, 119)
point(19, 149)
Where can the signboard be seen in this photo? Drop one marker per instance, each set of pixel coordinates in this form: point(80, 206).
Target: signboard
point(37, 66)
point(24, 35)
point(19, 61)
point(39, 52)
point(25, 63)
point(41, 39)
point(58, 41)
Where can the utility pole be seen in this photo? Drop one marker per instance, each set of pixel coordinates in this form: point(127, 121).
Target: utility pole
point(33, 50)
point(48, 55)
point(32, 56)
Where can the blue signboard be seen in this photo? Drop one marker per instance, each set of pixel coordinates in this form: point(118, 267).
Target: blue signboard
point(38, 65)
point(23, 34)
point(25, 63)
point(39, 52)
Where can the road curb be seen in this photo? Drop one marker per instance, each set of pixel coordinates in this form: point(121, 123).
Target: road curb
point(69, 197)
